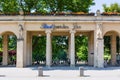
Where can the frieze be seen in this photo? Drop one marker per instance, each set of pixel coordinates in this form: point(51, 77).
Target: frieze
point(76, 26)
point(61, 26)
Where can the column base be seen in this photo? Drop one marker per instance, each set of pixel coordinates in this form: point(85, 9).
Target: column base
point(18, 66)
point(98, 66)
point(72, 65)
point(48, 66)
point(4, 64)
point(113, 64)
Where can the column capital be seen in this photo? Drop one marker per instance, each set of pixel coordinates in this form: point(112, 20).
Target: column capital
point(72, 31)
point(47, 31)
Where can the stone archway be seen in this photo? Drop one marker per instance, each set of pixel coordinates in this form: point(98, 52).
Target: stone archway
point(111, 47)
point(8, 48)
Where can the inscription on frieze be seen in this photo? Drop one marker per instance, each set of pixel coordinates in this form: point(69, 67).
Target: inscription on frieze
point(60, 26)
point(76, 26)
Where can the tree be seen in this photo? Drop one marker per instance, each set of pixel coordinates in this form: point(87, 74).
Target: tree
point(112, 8)
point(66, 5)
point(28, 5)
point(79, 5)
point(45, 6)
point(55, 5)
point(9, 6)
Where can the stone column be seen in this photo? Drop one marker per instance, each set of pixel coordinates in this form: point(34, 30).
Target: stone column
point(29, 49)
point(72, 48)
point(100, 53)
point(91, 49)
point(98, 47)
point(5, 50)
point(21, 46)
point(69, 47)
point(48, 48)
point(113, 49)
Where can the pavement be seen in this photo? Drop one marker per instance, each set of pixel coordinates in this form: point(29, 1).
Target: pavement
point(60, 73)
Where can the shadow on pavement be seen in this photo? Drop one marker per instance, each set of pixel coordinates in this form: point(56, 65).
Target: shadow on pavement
point(2, 75)
point(74, 68)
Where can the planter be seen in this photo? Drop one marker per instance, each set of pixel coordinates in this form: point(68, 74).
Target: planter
point(9, 14)
point(73, 13)
point(110, 14)
point(50, 14)
point(83, 14)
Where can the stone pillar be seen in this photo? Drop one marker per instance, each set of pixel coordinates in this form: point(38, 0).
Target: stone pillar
point(29, 49)
point(21, 46)
point(5, 50)
point(72, 48)
point(100, 53)
point(98, 47)
point(113, 49)
point(69, 47)
point(91, 49)
point(20, 51)
point(48, 48)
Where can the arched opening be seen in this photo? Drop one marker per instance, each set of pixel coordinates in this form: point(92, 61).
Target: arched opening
point(8, 45)
point(112, 48)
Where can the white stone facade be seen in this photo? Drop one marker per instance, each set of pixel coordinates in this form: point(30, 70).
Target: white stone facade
point(95, 27)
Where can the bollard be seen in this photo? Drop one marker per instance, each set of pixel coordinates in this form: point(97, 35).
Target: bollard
point(81, 69)
point(40, 71)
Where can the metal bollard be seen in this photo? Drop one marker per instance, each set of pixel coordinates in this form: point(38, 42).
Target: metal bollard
point(40, 71)
point(81, 69)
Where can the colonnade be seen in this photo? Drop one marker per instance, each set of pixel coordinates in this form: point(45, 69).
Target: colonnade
point(95, 49)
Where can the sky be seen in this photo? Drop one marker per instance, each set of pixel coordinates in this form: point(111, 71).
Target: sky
point(99, 3)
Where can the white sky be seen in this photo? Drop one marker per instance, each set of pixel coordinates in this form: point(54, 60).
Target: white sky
point(99, 3)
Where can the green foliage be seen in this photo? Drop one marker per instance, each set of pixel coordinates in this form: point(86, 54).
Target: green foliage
point(12, 42)
point(28, 5)
point(118, 44)
point(79, 5)
point(66, 5)
point(1, 43)
point(59, 47)
point(112, 8)
point(107, 52)
point(56, 5)
point(45, 6)
point(0, 59)
point(39, 48)
point(9, 6)
point(81, 47)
